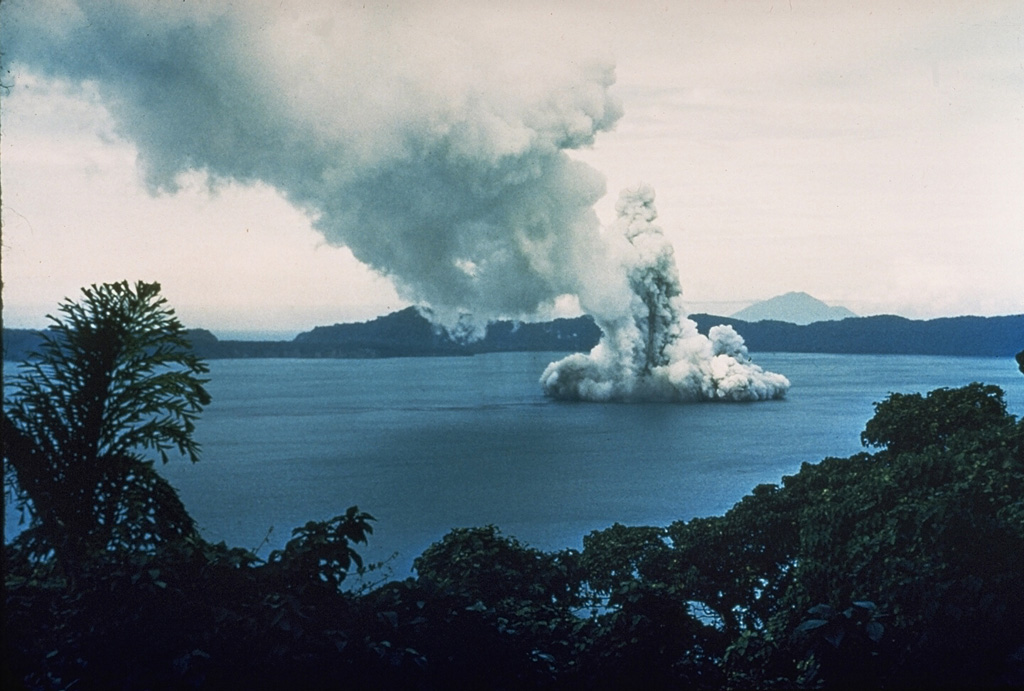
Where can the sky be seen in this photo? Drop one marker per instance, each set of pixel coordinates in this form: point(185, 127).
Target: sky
point(277, 170)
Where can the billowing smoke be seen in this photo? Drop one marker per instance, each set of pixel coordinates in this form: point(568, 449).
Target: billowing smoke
point(651, 351)
point(437, 154)
point(429, 141)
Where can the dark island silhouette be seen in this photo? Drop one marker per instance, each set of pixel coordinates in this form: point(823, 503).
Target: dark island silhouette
point(407, 333)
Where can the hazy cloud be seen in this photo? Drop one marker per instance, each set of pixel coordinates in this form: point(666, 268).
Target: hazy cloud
point(437, 157)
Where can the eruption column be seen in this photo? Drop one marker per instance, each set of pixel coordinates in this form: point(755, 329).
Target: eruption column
point(437, 156)
point(651, 350)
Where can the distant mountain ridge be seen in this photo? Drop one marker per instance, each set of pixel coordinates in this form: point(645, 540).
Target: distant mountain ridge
point(883, 335)
point(411, 329)
point(795, 308)
point(408, 334)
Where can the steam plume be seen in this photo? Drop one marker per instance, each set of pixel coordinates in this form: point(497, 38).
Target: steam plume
point(437, 155)
point(651, 351)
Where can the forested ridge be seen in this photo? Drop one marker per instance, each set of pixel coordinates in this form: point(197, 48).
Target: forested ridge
point(409, 334)
point(896, 567)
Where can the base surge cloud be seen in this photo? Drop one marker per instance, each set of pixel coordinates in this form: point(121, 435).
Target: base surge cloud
point(651, 351)
point(434, 144)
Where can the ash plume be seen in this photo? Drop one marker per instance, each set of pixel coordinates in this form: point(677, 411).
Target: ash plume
point(650, 350)
point(436, 153)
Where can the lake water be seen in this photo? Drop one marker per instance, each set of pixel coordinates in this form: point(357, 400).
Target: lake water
point(429, 444)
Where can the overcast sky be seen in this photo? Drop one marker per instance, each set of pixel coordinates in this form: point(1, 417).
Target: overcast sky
point(870, 154)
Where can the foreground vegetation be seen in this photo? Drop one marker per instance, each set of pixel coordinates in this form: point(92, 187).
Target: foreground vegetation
point(895, 567)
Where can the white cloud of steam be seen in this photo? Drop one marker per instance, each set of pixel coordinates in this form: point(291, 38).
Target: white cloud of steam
point(651, 351)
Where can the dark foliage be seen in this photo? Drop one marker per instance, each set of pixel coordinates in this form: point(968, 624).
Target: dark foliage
point(114, 379)
point(908, 423)
point(898, 568)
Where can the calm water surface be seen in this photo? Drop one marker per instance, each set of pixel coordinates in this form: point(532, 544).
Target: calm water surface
point(429, 444)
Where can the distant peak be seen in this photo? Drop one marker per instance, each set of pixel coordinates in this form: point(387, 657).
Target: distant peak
point(796, 307)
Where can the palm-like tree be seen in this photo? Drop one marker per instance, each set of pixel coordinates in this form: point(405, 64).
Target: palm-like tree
point(113, 383)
